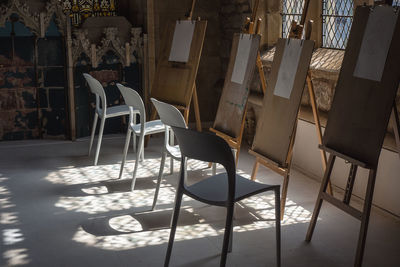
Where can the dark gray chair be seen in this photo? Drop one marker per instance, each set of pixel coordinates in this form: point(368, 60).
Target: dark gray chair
point(220, 190)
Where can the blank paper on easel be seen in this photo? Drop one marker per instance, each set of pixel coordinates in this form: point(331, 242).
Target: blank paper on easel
point(242, 58)
point(376, 42)
point(182, 41)
point(288, 68)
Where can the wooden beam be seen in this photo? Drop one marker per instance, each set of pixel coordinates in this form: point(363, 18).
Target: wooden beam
point(340, 205)
point(151, 50)
point(71, 87)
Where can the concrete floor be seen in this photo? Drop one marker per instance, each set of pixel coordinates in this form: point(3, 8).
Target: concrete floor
point(56, 209)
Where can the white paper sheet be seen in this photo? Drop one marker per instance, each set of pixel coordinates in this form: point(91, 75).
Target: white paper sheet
point(242, 58)
point(375, 44)
point(182, 41)
point(288, 68)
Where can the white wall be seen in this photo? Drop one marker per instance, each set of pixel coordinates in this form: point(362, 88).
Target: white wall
point(307, 158)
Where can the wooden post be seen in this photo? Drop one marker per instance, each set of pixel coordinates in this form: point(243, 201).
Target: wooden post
point(151, 50)
point(71, 87)
point(145, 74)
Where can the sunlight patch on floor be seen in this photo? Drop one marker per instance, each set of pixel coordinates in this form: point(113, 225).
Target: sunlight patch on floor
point(92, 193)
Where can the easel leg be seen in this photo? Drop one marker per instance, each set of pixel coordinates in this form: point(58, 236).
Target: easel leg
point(196, 109)
point(317, 122)
point(239, 140)
point(284, 192)
point(255, 169)
point(318, 204)
point(186, 115)
point(261, 73)
point(396, 127)
point(365, 218)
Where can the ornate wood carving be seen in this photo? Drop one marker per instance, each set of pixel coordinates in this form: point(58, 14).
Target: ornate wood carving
point(54, 7)
point(31, 20)
point(34, 20)
point(80, 44)
point(110, 41)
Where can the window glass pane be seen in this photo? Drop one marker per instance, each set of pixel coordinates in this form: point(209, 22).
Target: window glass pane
point(292, 10)
point(337, 17)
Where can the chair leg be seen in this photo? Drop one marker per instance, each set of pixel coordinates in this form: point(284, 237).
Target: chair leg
point(172, 143)
point(174, 222)
point(127, 140)
point(134, 136)
point(103, 120)
point(227, 235)
point(278, 226)
point(134, 143)
point(160, 174)
point(96, 117)
point(142, 152)
point(231, 234)
point(171, 166)
point(214, 168)
point(139, 151)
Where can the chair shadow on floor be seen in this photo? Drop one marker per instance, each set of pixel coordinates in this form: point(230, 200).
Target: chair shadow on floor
point(147, 221)
point(107, 187)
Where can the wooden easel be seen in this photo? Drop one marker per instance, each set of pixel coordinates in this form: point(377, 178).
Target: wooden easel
point(396, 126)
point(194, 98)
point(341, 138)
point(251, 26)
point(295, 32)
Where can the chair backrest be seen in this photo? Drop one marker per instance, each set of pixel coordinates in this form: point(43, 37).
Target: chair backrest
point(97, 89)
point(133, 100)
point(209, 148)
point(169, 114)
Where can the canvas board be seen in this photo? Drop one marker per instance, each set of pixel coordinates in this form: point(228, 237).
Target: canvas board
point(278, 115)
point(174, 81)
point(242, 58)
point(182, 41)
point(288, 68)
point(233, 100)
point(375, 44)
point(361, 108)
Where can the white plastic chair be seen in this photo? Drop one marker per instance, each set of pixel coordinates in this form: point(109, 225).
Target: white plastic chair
point(103, 112)
point(170, 116)
point(133, 100)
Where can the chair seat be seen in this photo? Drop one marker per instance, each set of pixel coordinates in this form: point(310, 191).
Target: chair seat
point(150, 127)
point(116, 111)
point(214, 190)
point(174, 151)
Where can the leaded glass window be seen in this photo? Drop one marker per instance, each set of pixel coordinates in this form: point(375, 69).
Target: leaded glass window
point(79, 10)
point(292, 10)
point(337, 17)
